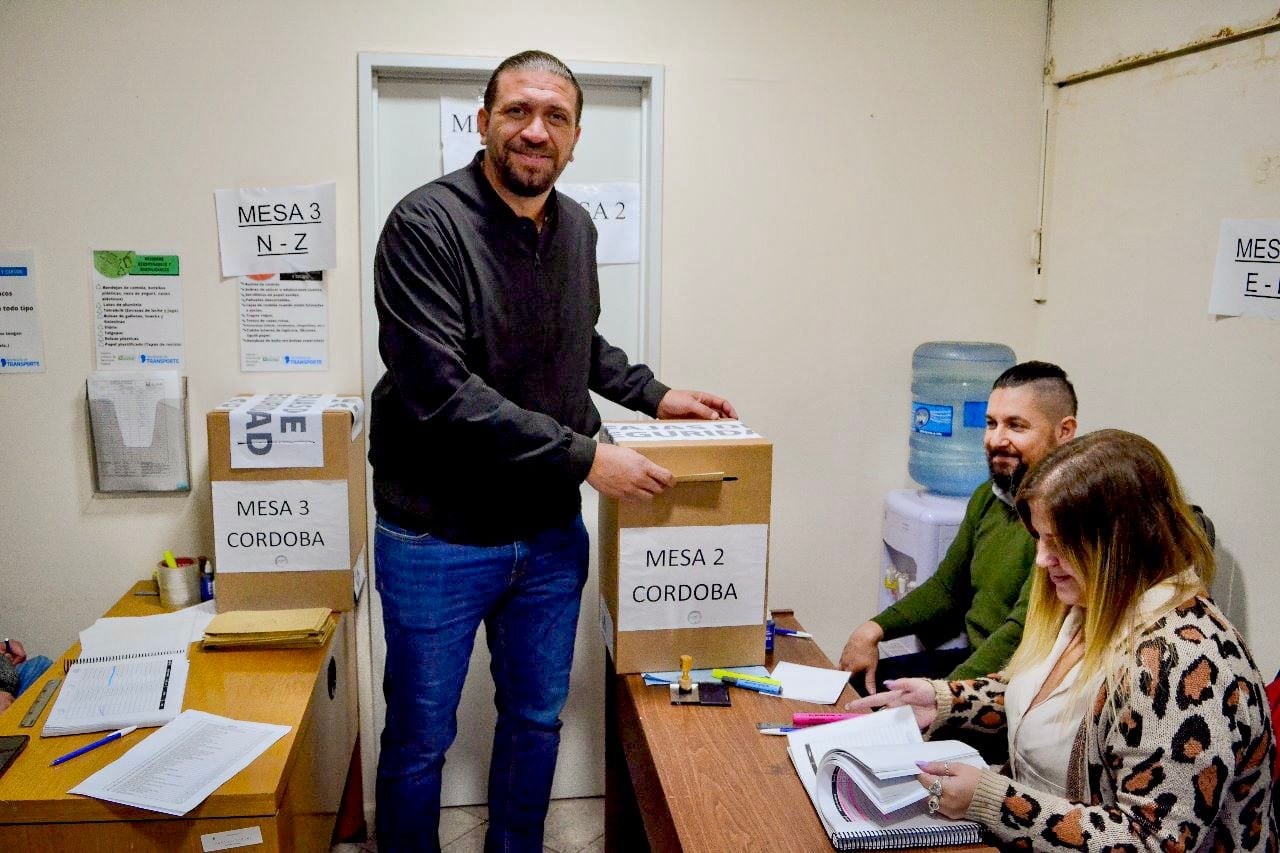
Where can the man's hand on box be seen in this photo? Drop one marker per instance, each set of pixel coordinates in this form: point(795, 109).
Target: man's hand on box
point(6, 699)
point(620, 472)
point(695, 404)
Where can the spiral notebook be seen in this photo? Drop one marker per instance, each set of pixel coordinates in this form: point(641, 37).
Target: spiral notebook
point(132, 671)
point(851, 819)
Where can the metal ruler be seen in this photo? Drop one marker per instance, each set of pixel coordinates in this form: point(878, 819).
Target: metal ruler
point(37, 707)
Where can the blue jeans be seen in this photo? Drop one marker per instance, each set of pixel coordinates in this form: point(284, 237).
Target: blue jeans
point(31, 669)
point(434, 596)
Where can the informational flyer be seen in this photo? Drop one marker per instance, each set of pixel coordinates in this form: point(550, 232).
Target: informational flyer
point(139, 424)
point(1246, 276)
point(459, 135)
point(284, 322)
point(137, 301)
point(21, 344)
point(277, 229)
point(615, 210)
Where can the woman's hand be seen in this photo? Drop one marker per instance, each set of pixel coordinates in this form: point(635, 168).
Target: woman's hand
point(915, 692)
point(958, 782)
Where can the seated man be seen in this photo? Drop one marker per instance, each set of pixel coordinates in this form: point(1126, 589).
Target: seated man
point(17, 671)
point(982, 583)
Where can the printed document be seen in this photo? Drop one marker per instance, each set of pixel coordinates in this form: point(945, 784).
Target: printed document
point(177, 767)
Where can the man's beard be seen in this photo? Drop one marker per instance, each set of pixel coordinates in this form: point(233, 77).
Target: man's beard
point(526, 187)
point(1008, 483)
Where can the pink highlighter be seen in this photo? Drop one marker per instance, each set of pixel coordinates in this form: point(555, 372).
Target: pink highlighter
point(801, 718)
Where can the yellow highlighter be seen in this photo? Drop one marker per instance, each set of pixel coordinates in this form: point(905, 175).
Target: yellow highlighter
point(169, 560)
point(742, 676)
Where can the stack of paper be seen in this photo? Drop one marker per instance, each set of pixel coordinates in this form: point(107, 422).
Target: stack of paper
point(887, 773)
point(810, 683)
point(855, 820)
point(174, 769)
point(308, 627)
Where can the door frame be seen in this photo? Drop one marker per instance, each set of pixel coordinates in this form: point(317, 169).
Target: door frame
point(375, 66)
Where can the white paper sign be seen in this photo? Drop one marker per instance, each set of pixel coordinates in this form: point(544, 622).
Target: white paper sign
point(21, 344)
point(230, 839)
point(615, 210)
point(279, 431)
point(678, 431)
point(459, 135)
point(281, 525)
point(1246, 276)
point(277, 229)
point(284, 322)
point(137, 301)
point(691, 577)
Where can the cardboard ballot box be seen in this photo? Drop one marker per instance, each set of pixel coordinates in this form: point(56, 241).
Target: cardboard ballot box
point(288, 481)
point(687, 572)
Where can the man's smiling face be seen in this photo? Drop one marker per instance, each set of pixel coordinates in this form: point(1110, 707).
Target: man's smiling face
point(530, 134)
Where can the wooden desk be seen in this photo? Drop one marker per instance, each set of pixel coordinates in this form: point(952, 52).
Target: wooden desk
point(688, 778)
point(291, 792)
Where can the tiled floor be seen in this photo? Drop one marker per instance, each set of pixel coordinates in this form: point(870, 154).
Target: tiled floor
point(573, 826)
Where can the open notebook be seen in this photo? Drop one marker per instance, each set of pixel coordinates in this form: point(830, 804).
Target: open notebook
point(822, 756)
point(132, 671)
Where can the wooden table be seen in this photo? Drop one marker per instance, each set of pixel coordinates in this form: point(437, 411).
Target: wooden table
point(688, 778)
point(290, 793)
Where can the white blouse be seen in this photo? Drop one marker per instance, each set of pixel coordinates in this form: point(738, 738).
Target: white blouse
point(1040, 738)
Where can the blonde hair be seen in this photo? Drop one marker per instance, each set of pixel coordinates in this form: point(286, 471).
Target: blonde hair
point(1123, 525)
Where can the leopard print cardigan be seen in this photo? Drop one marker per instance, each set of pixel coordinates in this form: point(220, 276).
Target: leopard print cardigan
point(1179, 759)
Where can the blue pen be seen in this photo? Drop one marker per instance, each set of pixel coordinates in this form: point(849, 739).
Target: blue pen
point(771, 689)
point(92, 746)
point(792, 632)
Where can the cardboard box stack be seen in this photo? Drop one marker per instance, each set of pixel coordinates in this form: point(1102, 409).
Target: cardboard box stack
point(687, 573)
point(288, 478)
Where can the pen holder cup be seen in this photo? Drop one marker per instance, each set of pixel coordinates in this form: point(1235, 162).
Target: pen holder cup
point(178, 587)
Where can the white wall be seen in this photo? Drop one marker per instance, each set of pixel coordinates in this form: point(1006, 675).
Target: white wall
point(844, 180)
point(1145, 165)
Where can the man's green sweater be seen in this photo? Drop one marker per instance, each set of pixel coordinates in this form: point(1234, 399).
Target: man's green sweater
point(981, 586)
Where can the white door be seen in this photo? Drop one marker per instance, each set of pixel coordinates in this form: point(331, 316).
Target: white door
point(618, 132)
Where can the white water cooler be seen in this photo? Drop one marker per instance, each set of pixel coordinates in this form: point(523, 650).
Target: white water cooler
point(918, 527)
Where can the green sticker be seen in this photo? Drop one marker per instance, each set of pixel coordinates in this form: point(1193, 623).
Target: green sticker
point(114, 264)
point(155, 265)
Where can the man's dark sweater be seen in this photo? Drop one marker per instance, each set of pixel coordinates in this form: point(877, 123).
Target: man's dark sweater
point(480, 428)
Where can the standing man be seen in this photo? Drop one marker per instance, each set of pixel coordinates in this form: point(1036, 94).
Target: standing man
point(480, 436)
point(981, 586)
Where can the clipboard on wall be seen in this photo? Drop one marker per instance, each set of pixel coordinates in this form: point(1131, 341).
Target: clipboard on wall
point(138, 431)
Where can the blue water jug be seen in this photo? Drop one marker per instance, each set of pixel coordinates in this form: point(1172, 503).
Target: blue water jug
point(950, 383)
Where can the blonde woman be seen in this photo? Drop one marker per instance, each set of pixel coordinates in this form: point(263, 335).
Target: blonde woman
point(1135, 715)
